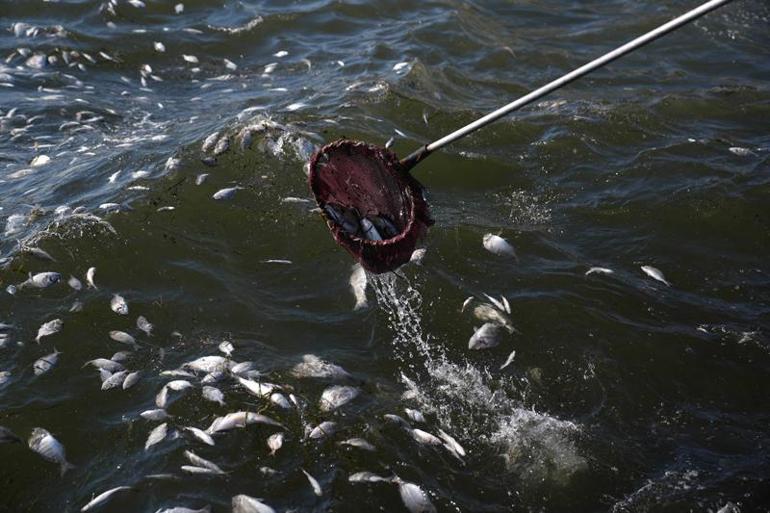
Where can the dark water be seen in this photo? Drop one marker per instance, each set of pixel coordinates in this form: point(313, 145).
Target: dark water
point(624, 395)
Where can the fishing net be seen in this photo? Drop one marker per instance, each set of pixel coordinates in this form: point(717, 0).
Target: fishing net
point(374, 208)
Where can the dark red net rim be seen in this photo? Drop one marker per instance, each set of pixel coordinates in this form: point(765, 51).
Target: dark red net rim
point(367, 181)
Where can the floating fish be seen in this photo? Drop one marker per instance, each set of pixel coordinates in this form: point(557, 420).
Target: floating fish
point(202, 462)
point(246, 504)
point(226, 193)
point(322, 430)
point(227, 348)
point(358, 282)
point(201, 178)
point(157, 435)
point(222, 145)
point(180, 509)
point(123, 338)
point(144, 325)
point(47, 446)
point(275, 442)
point(132, 379)
point(498, 246)
point(213, 394)
point(258, 389)
point(487, 313)
point(336, 396)
point(200, 435)
point(74, 283)
point(38, 253)
point(508, 360)
point(368, 477)
point(114, 381)
point(314, 367)
point(358, 443)
point(313, 483)
point(119, 305)
point(655, 273)
point(209, 142)
point(451, 444)
point(46, 363)
point(90, 273)
point(209, 364)
point(424, 437)
point(415, 415)
point(49, 328)
point(280, 400)
point(192, 469)
point(41, 280)
point(415, 499)
point(486, 337)
point(599, 270)
point(155, 415)
point(104, 497)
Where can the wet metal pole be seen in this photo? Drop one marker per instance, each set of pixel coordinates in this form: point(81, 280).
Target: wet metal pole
point(412, 159)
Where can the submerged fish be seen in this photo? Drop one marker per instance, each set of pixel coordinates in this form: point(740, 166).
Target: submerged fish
point(143, 324)
point(157, 435)
point(49, 328)
point(498, 246)
point(74, 283)
point(46, 363)
point(655, 273)
point(47, 446)
point(359, 443)
point(336, 396)
point(314, 367)
point(104, 497)
point(313, 483)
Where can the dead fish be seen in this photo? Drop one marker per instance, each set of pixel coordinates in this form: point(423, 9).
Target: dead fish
point(314, 367)
point(368, 477)
point(104, 497)
point(119, 305)
point(655, 273)
point(209, 364)
point(201, 178)
point(486, 337)
point(336, 396)
point(358, 286)
point(202, 462)
point(156, 436)
point(190, 58)
point(322, 430)
point(41, 280)
point(415, 415)
point(90, 273)
point(132, 379)
point(115, 380)
point(74, 283)
point(424, 437)
point(242, 368)
point(487, 313)
point(418, 255)
point(240, 419)
point(498, 246)
point(104, 375)
point(38, 253)
point(192, 469)
point(227, 348)
point(155, 415)
point(599, 270)
point(7, 436)
point(246, 504)
point(258, 389)
point(466, 303)
point(123, 338)
point(178, 385)
point(121, 356)
point(508, 360)
point(46, 363)
point(180, 509)
point(358, 443)
point(49, 328)
point(200, 435)
point(226, 193)
point(144, 325)
point(209, 142)
point(5, 377)
point(213, 394)
point(395, 419)
point(280, 400)
point(47, 446)
point(414, 498)
point(222, 145)
point(77, 306)
point(451, 444)
point(313, 483)
point(275, 442)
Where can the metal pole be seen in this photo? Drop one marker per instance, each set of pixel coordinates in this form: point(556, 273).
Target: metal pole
point(640, 41)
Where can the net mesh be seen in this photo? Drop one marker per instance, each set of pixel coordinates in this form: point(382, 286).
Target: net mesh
point(374, 208)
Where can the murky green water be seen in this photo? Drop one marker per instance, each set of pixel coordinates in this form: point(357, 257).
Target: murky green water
point(624, 394)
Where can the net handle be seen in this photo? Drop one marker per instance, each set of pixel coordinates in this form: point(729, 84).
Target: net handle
point(414, 158)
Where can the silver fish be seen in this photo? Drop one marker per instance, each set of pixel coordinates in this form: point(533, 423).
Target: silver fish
point(487, 313)
point(144, 325)
point(275, 442)
point(180, 509)
point(415, 499)
point(115, 380)
point(213, 394)
point(313, 483)
point(242, 368)
point(486, 337)
point(395, 419)
point(157, 435)
point(209, 142)
point(77, 306)
point(47, 446)
point(368, 477)
point(8, 437)
point(38, 253)
point(358, 281)
point(415, 415)
point(313, 367)
point(120, 356)
point(192, 469)
point(655, 273)
point(227, 348)
point(200, 435)
point(418, 255)
point(90, 273)
point(202, 462)
point(226, 193)
point(123, 338)
point(46, 363)
point(209, 364)
point(74, 283)
point(508, 360)
point(424, 437)
point(336, 396)
point(104, 497)
point(42, 280)
point(155, 415)
point(451, 444)
point(5, 377)
point(599, 270)
point(178, 385)
point(240, 419)
point(246, 504)
point(280, 400)
point(119, 305)
point(201, 178)
point(222, 145)
point(498, 246)
point(132, 379)
point(258, 389)
point(49, 328)
point(359, 443)
point(322, 430)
